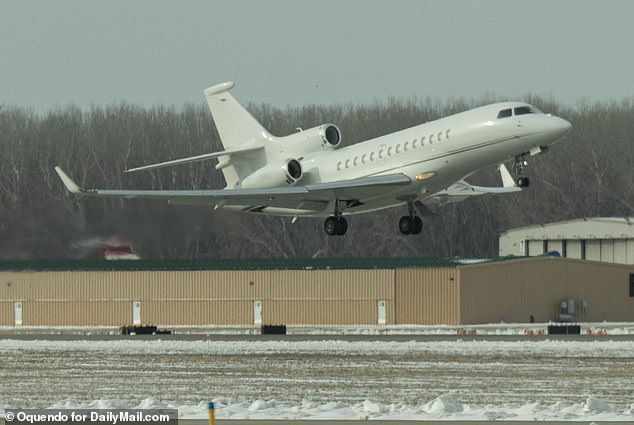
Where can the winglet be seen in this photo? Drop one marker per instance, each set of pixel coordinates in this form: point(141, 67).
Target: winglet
point(507, 179)
point(68, 182)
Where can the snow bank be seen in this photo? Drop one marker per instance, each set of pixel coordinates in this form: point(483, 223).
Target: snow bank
point(443, 408)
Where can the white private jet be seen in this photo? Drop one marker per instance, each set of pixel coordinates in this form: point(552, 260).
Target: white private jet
point(307, 174)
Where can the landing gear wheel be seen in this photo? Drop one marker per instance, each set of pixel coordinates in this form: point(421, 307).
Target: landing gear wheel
point(405, 225)
point(410, 225)
point(417, 225)
point(523, 181)
point(335, 226)
point(342, 226)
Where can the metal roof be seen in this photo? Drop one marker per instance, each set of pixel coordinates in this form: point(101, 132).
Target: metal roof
point(233, 264)
point(582, 228)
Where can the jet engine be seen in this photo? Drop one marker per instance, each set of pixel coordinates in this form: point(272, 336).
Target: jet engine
point(276, 174)
point(325, 136)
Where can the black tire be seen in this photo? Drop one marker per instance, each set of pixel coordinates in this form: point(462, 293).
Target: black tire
point(417, 226)
point(341, 226)
point(405, 225)
point(330, 226)
point(523, 181)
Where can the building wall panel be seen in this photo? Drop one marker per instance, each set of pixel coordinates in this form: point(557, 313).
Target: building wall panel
point(320, 312)
point(573, 249)
point(427, 296)
point(76, 313)
point(199, 297)
point(513, 291)
point(629, 251)
point(6, 313)
point(620, 251)
point(607, 250)
point(556, 245)
point(593, 250)
point(197, 312)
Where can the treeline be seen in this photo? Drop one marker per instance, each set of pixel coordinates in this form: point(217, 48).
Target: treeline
point(589, 174)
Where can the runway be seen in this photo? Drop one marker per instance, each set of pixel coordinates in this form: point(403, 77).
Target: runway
point(327, 379)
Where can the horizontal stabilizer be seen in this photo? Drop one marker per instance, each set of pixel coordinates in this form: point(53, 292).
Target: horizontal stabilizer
point(203, 157)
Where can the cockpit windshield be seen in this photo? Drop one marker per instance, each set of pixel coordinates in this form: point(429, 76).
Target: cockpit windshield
point(518, 110)
point(505, 113)
point(523, 110)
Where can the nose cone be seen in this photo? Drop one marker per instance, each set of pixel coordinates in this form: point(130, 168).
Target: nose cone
point(563, 126)
point(558, 128)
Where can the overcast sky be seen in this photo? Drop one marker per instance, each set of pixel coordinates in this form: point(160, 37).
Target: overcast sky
point(53, 53)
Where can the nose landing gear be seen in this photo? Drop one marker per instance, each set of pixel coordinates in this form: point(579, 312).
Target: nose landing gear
point(518, 167)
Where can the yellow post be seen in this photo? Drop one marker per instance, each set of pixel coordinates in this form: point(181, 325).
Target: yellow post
point(212, 418)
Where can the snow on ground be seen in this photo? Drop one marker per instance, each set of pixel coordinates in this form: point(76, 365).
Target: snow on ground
point(521, 379)
point(444, 407)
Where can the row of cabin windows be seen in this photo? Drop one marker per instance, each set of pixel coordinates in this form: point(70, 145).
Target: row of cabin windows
point(396, 150)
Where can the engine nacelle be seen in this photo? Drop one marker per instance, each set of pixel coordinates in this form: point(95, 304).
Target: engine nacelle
point(325, 136)
point(272, 175)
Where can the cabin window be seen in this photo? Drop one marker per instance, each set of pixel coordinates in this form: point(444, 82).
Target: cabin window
point(389, 151)
point(439, 135)
point(371, 156)
point(405, 146)
point(504, 113)
point(347, 163)
point(363, 157)
point(398, 148)
point(356, 159)
point(447, 134)
point(339, 166)
point(431, 139)
point(422, 141)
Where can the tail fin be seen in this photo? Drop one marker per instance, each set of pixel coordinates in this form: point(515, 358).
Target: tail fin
point(237, 129)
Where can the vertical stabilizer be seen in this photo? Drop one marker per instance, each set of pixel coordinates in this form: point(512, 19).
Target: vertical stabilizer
point(237, 128)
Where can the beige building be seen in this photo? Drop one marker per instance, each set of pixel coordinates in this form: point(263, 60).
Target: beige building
point(608, 239)
point(311, 292)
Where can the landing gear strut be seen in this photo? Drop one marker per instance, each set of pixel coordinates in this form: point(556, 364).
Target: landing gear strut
point(518, 167)
point(410, 224)
point(336, 224)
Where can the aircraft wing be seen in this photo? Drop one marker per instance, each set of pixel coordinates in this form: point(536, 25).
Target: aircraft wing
point(203, 157)
point(462, 190)
point(313, 196)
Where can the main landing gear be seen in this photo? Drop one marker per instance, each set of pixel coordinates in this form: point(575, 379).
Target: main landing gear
point(518, 167)
point(410, 224)
point(336, 224)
